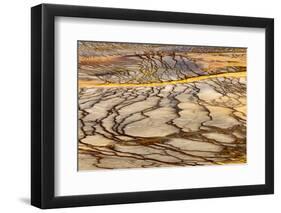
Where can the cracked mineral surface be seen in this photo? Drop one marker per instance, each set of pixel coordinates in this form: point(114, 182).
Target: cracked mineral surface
point(146, 105)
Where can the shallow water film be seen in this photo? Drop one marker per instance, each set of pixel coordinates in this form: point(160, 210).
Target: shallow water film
point(151, 105)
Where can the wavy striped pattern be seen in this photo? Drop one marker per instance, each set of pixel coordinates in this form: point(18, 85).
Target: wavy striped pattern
point(143, 106)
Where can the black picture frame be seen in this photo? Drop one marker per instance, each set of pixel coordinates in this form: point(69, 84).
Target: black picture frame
point(43, 102)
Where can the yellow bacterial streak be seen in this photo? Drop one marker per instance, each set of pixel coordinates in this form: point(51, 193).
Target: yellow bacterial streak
point(89, 84)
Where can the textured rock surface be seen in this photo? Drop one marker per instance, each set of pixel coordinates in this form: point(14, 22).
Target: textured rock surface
point(202, 122)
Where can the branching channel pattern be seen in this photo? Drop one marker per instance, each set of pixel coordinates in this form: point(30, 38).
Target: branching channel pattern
point(132, 114)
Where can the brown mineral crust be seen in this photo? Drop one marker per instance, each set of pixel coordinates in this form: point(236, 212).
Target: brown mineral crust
point(143, 106)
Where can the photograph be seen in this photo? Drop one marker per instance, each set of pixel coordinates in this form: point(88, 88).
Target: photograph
point(139, 105)
point(143, 105)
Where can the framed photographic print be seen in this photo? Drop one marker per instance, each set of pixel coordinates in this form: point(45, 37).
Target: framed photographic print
point(139, 106)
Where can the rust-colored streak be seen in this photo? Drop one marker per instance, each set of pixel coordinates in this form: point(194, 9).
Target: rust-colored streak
point(90, 84)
